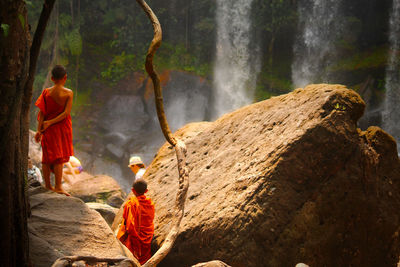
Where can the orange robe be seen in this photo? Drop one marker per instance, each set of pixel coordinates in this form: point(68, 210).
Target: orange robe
point(137, 227)
point(57, 139)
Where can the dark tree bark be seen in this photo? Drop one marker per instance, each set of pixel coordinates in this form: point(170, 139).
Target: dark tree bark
point(14, 59)
point(17, 68)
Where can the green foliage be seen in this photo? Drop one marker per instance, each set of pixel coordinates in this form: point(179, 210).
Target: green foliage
point(206, 24)
point(65, 20)
point(381, 85)
point(261, 94)
point(111, 37)
point(40, 79)
point(178, 58)
point(29, 3)
point(271, 84)
point(273, 15)
point(122, 65)
point(81, 100)
point(75, 42)
point(5, 28)
point(374, 58)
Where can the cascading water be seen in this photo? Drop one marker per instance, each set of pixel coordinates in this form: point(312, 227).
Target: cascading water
point(319, 26)
point(186, 99)
point(391, 113)
point(235, 69)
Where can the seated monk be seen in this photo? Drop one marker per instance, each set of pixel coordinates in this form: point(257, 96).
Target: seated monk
point(137, 227)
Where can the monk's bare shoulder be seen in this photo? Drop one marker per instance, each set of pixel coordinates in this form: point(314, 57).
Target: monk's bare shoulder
point(68, 92)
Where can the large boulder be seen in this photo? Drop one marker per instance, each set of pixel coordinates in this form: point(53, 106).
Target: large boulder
point(287, 180)
point(96, 188)
point(65, 226)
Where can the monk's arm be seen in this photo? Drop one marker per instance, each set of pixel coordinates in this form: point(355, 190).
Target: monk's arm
point(38, 134)
point(40, 123)
point(62, 115)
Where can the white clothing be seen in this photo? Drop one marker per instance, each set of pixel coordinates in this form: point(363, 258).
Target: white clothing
point(35, 174)
point(140, 173)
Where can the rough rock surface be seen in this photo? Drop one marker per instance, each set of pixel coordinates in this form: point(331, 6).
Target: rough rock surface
point(106, 211)
point(211, 264)
point(287, 180)
point(65, 226)
point(97, 188)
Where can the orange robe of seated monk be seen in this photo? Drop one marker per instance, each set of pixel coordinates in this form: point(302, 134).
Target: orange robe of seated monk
point(138, 224)
point(57, 138)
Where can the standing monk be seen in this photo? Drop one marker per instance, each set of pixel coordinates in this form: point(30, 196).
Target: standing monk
point(137, 227)
point(55, 128)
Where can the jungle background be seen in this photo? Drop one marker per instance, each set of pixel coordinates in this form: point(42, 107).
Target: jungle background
point(103, 45)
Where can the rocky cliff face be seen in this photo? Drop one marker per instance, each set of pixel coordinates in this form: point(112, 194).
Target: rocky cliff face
point(287, 180)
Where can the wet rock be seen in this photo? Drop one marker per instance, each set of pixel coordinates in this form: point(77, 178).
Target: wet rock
point(115, 150)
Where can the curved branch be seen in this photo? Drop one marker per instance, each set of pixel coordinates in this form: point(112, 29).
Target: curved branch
point(180, 147)
point(155, 44)
point(169, 241)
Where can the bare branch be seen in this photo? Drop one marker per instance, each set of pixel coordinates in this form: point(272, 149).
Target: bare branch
point(155, 44)
point(180, 147)
point(169, 241)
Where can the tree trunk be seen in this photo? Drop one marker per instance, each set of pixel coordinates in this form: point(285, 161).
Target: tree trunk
point(17, 70)
point(14, 54)
point(54, 58)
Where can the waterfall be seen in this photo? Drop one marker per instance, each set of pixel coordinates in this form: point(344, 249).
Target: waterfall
point(314, 50)
point(235, 69)
point(391, 113)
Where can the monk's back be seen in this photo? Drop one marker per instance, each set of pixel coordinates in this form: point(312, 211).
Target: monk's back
point(60, 94)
